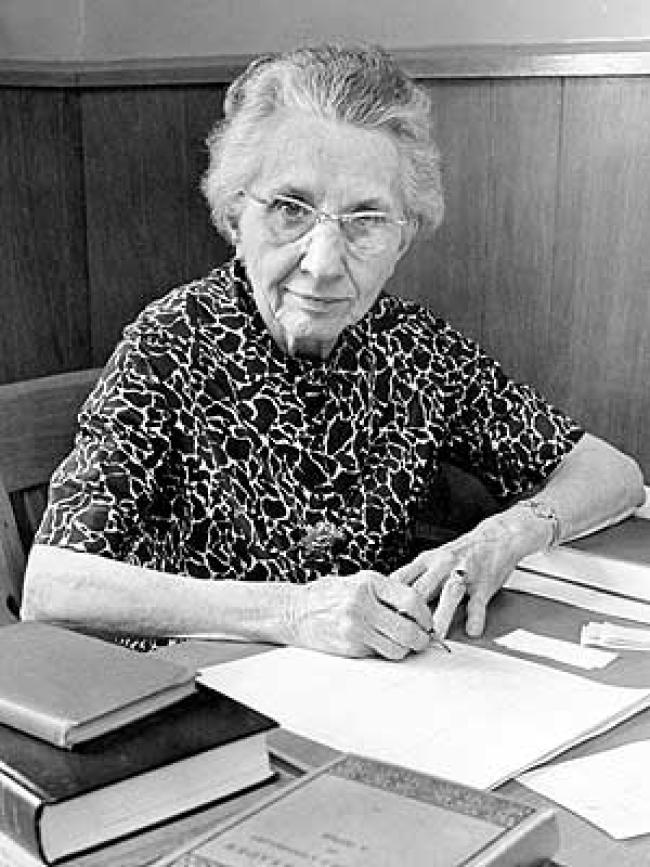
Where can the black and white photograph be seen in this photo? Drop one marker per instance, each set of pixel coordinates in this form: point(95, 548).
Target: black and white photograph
point(324, 428)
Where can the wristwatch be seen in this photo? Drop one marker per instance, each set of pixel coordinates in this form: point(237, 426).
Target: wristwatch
point(546, 513)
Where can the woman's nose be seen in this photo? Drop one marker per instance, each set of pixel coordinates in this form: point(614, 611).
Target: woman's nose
point(324, 251)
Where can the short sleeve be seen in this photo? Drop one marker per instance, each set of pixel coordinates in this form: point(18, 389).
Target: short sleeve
point(503, 432)
point(121, 467)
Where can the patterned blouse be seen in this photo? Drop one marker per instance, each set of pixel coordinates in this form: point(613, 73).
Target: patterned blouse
point(204, 450)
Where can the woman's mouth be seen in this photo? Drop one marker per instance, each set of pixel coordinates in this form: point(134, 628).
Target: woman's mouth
point(317, 303)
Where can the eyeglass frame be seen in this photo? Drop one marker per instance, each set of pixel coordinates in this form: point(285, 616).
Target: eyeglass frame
point(322, 215)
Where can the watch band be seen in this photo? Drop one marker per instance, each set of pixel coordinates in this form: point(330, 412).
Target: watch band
point(547, 513)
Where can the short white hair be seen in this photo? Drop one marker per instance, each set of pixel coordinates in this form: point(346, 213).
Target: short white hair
point(361, 85)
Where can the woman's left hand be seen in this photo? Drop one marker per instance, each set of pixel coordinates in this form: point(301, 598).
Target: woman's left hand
point(476, 564)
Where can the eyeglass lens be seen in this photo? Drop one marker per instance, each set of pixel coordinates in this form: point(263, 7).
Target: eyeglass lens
point(289, 219)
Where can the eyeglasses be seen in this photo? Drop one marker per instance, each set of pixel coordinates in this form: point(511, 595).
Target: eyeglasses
point(366, 233)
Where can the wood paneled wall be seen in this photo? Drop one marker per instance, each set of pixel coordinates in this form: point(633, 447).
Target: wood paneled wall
point(148, 227)
point(544, 255)
point(43, 282)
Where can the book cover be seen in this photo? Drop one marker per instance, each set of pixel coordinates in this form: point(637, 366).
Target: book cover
point(56, 802)
point(66, 687)
point(616, 559)
point(357, 812)
point(13, 855)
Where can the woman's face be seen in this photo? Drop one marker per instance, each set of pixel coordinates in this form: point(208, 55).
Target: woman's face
point(310, 288)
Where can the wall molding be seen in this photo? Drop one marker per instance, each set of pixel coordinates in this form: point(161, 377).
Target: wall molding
point(589, 59)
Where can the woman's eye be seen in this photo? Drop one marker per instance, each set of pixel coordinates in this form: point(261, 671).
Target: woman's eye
point(288, 209)
point(368, 221)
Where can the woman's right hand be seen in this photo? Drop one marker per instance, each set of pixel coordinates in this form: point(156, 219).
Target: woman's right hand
point(364, 614)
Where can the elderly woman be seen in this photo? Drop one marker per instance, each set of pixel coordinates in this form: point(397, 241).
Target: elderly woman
point(252, 460)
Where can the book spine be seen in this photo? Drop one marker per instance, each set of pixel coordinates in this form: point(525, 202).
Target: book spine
point(20, 812)
point(532, 842)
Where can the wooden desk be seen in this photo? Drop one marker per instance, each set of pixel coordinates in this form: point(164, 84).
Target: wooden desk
point(581, 844)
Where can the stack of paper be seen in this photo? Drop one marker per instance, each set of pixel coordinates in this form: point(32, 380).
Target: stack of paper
point(473, 716)
point(615, 559)
point(615, 637)
point(606, 571)
point(589, 598)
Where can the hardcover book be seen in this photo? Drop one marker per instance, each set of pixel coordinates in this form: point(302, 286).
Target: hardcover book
point(356, 812)
point(66, 687)
point(55, 802)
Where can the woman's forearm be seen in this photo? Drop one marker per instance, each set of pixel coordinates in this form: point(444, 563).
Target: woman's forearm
point(594, 486)
point(104, 595)
point(356, 615)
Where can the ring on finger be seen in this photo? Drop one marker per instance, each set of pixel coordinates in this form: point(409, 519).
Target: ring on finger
point(457, 580)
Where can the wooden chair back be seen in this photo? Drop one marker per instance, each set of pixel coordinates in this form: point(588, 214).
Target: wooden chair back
point(37, 424)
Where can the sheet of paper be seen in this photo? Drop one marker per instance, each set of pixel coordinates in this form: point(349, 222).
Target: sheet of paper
point(580, 597)
point(474, 716)
point(566, 652)
point(610, 789)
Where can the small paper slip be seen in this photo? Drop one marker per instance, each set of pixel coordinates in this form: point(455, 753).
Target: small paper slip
point(614, 636)
point(610, 789)
point(556, 649)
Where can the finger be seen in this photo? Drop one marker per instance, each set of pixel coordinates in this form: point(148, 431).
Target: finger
point(439, 565)
point(405, 601)
point(410, 572)
point(428, 585)
point(451, 595)
point(439, 560)
point(400, 628)
point(385, 646)
point(476, 611)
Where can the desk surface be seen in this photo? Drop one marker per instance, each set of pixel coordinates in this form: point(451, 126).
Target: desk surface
point(581, 844)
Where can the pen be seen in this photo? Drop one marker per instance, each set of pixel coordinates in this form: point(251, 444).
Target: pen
point(433, 636)
point(435, 639)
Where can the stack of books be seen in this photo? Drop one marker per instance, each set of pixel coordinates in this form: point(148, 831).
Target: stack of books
point(98, 742)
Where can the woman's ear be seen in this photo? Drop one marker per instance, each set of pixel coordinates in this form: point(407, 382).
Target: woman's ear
point(408, 235)
point(233, 231)
point(232, 219)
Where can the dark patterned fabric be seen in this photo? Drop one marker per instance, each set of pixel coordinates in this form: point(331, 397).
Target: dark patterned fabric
point(204, 450)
